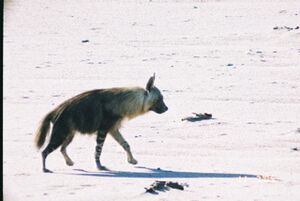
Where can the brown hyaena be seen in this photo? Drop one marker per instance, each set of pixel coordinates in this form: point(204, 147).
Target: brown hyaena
point(98, 111)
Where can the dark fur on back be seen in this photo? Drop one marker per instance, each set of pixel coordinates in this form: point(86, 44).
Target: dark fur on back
point(102, 109)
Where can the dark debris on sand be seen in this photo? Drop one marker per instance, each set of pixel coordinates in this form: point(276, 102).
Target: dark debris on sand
point(198, 117)
point(163, 186)
point(286, 28)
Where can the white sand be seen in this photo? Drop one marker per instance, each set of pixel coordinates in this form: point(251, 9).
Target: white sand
point(188, 44)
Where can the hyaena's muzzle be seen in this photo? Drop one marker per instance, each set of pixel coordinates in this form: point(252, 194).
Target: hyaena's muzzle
point(160, 107)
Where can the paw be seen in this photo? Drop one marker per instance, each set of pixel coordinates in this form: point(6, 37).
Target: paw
point(47, 171)
point(70, 163)
point(132, 161)
point(102, 168)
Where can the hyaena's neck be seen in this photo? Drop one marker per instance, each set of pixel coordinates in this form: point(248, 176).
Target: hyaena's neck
point(140, 105)
point(132, 103)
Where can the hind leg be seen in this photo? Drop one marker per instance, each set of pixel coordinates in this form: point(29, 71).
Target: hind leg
point(57, 138)
point(50, 148)
point(63, 149)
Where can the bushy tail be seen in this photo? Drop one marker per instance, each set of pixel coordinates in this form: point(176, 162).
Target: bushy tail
point(43, 130)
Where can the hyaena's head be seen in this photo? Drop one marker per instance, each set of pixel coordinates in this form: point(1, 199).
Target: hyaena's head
point(154, 99)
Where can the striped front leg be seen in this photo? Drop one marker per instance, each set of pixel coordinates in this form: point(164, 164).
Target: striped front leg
point(100, 141)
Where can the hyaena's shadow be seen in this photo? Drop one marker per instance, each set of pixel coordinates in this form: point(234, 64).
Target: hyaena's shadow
point(160, 173)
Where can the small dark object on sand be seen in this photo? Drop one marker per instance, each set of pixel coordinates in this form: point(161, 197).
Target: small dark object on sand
point(296, 149)
point(163, 186)
point(198, 117)
point(175, 185)
point(85, 41)
point(286, 28)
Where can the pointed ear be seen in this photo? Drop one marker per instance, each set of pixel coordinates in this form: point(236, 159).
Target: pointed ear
point(150, 83)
